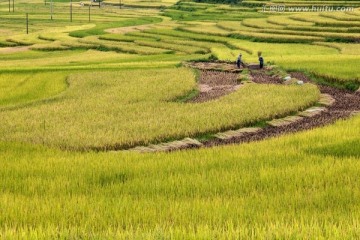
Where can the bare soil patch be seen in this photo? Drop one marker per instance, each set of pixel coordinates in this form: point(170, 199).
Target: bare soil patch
point(8, 50)
point(215, 84)
point(216, 66)
point(262, 78)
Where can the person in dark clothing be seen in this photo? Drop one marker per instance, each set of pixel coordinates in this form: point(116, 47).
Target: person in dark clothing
point(261, 60)
point(238, 61)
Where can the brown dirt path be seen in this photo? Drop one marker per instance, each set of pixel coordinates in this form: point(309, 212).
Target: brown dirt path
point(346, 104)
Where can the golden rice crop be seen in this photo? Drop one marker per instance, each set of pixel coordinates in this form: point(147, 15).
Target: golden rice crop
point(322, 21)
point(127, 108)
point(171, 46)
point(303, 185)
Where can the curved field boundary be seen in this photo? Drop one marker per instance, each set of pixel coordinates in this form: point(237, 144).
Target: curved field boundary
point(333, 105)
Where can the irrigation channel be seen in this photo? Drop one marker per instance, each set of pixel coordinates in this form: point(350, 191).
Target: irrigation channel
point(219, 79)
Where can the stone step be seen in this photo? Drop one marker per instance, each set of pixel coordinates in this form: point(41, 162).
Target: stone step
point(355, 113)
point(236, 133)
point(313, 111)
point(326, 100)
point(164, 147)
point(284, 121)
point(142, 149)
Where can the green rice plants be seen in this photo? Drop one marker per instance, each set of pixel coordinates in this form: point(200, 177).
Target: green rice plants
point(99, 29)
point(126, 47)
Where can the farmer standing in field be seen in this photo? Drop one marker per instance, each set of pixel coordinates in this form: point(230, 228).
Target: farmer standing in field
point(261, 61)
point(238, 61)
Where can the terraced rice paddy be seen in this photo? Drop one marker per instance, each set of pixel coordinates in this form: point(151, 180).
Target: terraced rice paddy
point(95, 99)
point(122, 108)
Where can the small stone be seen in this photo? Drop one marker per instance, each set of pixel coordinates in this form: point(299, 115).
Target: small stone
point(236, 133)
point(326, 99)
point(313, 111)
point(355, 113)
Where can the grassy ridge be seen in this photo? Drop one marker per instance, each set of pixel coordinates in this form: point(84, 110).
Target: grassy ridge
point(299, 186)
point(99, 29)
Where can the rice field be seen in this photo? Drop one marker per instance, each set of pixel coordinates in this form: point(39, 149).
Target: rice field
point(85, 83)
point(140, 115)
point(299, 186)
